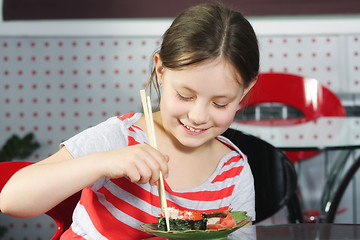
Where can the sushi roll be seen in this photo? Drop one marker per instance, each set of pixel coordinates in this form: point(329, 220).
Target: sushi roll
point(182, 220)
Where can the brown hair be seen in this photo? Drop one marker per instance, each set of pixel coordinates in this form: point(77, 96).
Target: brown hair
point(207, 31)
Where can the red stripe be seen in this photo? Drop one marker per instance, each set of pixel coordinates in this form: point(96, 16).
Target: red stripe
point(134, 126)
point(128, 208)
point(137, 191)
point(152, 199)
point(105, 222)
point(131, 129)
point(126, 116)
point(132, 141)
point(233, 172)
point(232, 160)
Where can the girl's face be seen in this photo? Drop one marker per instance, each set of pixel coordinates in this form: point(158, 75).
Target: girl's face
point(199, 102)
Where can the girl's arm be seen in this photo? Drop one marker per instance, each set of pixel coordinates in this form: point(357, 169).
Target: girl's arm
point(37, 188)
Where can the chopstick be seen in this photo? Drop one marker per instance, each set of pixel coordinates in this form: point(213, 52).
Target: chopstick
point(146, 103)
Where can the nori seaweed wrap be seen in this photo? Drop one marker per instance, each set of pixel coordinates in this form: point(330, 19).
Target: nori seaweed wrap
point(181, 224)
point(183, 220)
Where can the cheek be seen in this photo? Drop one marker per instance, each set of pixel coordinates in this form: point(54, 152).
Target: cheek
point(224, 118)
point(173, 107)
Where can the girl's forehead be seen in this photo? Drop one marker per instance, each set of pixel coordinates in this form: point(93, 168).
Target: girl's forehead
point(218, 67)
point(213, 78)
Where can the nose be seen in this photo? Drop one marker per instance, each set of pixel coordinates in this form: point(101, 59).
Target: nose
point(198, 113)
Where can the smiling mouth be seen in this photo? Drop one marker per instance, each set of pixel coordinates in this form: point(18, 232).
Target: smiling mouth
point(193, 130)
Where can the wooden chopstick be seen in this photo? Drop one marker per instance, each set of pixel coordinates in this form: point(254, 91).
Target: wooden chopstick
point(146, 103)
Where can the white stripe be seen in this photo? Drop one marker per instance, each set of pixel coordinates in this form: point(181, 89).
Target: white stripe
point(126, 196)
point(139, 136)
point(119, 215)
point(83, 226)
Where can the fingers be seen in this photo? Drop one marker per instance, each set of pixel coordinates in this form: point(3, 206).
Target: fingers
point(132, 173)
point(144, 164)
point(151, 166)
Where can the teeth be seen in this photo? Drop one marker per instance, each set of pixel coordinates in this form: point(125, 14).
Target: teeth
point(191, 129)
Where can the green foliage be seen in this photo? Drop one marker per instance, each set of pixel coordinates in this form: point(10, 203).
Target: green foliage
point(16, 147)
point(3, 230)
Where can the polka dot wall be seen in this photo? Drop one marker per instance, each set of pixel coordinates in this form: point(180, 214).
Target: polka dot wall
point(332, 59)
point(38, 228)
point(56, 87)
point(353, 68)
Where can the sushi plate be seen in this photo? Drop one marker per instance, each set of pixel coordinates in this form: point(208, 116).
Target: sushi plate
point(240, 217)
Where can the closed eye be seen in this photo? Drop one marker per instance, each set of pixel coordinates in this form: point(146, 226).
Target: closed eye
point(219, 105)
point(183, 98)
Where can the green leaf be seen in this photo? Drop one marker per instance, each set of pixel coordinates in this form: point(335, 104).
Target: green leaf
point(16, 147)
point(3, 230)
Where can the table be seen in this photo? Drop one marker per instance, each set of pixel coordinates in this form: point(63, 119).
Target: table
point(324, 133)
point(318, 134)
point(303, 231)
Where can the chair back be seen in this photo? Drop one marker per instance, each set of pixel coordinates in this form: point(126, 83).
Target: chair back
point(275, 178)
point(331, 201)
point(61, 213)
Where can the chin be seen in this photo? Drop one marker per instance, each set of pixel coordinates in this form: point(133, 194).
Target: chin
point(191, 144)
point(194, 141)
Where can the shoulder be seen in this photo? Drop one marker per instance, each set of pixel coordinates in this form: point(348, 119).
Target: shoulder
point(236, 153)
point(129, 117)
point(120, 123)
point(121, 126)
point(234, 164)
point(114, 125)
point(107, 135)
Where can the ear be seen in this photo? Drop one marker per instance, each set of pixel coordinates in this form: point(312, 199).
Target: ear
point(158, 67)
point(247, 90)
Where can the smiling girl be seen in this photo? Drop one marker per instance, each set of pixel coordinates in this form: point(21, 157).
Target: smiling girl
point(208, 61)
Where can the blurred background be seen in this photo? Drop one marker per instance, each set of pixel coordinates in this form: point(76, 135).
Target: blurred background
point(68, 65)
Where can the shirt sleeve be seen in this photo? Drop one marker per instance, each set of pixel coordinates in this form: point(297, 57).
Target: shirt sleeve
point(105, 136)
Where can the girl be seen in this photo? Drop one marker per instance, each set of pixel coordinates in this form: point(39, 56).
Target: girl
point(207, 63)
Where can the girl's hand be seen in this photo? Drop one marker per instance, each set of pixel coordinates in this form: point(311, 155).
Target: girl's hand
point(141, 163)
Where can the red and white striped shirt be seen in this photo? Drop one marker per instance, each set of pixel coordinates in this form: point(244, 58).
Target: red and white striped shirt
point(115, 208)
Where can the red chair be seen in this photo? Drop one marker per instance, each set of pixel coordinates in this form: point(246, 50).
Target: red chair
point(61, 213)
point(307, 95)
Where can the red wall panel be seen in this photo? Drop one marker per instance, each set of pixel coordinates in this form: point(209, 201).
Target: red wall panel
point(68, 9)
